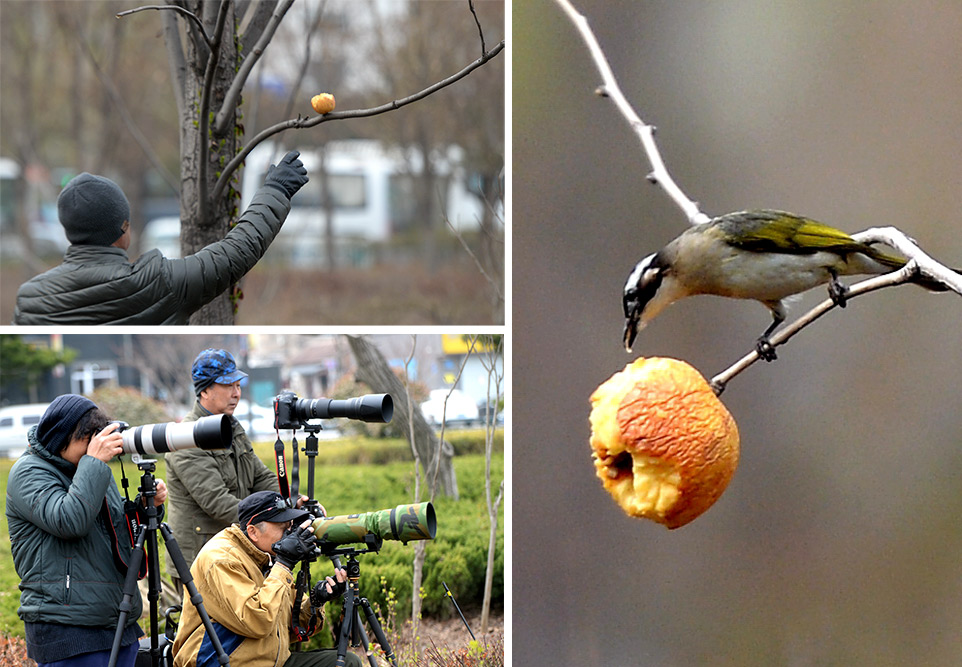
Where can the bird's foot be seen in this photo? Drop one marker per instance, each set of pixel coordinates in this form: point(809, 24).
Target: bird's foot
point(838, 292)
point(765, 349)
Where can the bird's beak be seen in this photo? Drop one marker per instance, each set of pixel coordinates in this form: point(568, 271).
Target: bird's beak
point(633, 325)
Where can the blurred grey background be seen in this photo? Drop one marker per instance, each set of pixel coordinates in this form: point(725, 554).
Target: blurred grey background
point(839, 540)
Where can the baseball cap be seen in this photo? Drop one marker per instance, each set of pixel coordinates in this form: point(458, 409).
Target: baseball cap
point(267, 506)
point(212, 366)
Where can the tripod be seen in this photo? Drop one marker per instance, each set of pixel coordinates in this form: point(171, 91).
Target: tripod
point(352, 630)
point(147, 542)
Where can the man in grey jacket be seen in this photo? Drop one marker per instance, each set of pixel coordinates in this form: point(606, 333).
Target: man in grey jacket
point(97, 283)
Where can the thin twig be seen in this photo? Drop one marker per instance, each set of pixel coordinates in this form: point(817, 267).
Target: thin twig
point(176, 8)
point(646, 133)
point(477, 22)
point(304, 122)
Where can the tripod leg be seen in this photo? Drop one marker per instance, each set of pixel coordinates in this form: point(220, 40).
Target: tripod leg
point(180, 563)
point(360, 634)
point(130, 589)
point(344, 639)
point(378, 631)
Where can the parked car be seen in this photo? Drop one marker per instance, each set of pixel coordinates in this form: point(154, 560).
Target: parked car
point(258, 420)
point(15, 421)
point(461, 410)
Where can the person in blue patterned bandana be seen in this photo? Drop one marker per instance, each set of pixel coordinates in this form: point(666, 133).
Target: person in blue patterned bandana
point(205, 486)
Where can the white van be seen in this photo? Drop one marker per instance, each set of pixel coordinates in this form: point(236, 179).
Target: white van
point(15, 421)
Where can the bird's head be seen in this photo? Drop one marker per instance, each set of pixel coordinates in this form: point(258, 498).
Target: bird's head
point(650, 288)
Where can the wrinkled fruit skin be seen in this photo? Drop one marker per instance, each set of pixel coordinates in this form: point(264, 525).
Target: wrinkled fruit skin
point(323, 103)
point(663, 445)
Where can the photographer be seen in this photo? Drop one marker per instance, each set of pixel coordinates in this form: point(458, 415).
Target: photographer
point(244, 575)
point(70, 541)
point(98, 284)
point(207, 485)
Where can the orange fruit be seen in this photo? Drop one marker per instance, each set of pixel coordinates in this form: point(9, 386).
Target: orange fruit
point(663, 445)
point(323, 103)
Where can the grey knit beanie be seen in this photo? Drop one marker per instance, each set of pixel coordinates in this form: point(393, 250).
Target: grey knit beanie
point(92, 210)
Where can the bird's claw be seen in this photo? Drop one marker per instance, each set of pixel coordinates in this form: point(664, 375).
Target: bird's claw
point(765, 349)
point(838, 292)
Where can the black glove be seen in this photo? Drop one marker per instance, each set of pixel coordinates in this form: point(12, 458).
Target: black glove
point(295, 546)
point(320, 595)
point(288, 176)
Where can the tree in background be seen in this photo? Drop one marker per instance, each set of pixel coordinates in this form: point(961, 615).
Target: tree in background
point(25, 364)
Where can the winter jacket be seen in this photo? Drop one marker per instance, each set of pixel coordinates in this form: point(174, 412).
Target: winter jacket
point(205, 486)
point(99, 285)
point(249, 602)
point(60, 535)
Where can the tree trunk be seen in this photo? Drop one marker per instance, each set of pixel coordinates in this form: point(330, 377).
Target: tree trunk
point(196, 232)
point(436, 457)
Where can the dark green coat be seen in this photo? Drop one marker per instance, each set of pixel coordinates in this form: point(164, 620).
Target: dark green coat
point(99, 285)
point(205, 486)
point(61, 548)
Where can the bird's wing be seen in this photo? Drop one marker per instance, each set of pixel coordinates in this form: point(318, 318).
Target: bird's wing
point(777, 231)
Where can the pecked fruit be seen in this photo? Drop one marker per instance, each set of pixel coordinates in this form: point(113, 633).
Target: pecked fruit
point(323, 103)
point(663, 445)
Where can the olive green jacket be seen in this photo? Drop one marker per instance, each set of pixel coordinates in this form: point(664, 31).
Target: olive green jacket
point(205, 486)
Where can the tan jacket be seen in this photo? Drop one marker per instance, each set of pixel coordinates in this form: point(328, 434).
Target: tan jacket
point(249, 603)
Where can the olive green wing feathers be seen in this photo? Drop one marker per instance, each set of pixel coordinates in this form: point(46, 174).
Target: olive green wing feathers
point(778, 231)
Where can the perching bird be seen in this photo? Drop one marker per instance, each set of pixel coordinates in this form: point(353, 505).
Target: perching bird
point(762, 255)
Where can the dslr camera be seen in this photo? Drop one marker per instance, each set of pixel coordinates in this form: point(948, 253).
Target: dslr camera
point(291, 412)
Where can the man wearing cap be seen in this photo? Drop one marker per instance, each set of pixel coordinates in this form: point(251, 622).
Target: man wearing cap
point(244, 575)
point(207, 485)
point(69, 538)
point(97, 283)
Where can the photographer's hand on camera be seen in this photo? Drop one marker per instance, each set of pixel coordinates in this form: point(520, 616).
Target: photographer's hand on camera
point(107, 444)
point(295, 546)
point(329, 589)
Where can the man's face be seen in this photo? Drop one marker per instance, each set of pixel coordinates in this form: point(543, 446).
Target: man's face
point(221, 399)
point(271, 533)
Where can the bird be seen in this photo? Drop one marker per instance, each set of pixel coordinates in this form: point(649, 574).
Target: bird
point(765, 255)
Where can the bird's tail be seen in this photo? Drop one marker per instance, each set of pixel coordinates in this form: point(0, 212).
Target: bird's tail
point(895, 263)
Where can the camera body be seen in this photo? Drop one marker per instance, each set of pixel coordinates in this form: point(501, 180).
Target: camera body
point(291, 412)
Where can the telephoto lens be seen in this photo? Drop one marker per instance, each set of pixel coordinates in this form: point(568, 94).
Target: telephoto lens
point(403, 523)
point(374, 408)
point(212, 432)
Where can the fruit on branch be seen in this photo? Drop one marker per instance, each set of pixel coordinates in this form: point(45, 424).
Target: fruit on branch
point(323, 103)
point(663, 445)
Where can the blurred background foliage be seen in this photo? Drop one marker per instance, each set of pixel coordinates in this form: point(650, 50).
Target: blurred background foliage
point(839, 540)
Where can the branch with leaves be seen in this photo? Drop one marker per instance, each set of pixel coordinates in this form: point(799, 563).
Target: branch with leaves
point(918, 263)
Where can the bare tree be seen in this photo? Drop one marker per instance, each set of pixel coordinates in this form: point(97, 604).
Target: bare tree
point(490, 356)
point(212, 49)
point(435, 453)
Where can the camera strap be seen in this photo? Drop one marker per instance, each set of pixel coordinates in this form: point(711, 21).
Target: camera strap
point(302, 583)
point(295, 478)
point(281, 468)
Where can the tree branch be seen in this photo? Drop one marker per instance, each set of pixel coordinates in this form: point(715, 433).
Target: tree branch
point(301, 122)
point(203, 200)
point(918, 264)
point(250, 59)
point(646, 133)
point(190, 15)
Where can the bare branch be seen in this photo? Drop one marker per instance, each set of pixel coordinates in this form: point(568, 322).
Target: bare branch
point(477, 262)
point(204, 120)
point(250, 59)
point(300, 122)
point(175, 8)
point(477, 22)
point(646, 133)
point(176, 61)
point(919, 264)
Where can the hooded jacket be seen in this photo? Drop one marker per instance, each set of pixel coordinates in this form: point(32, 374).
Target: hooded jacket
point(249, 601)
point(205, 485)
point(99, 285)
point(60, 536)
